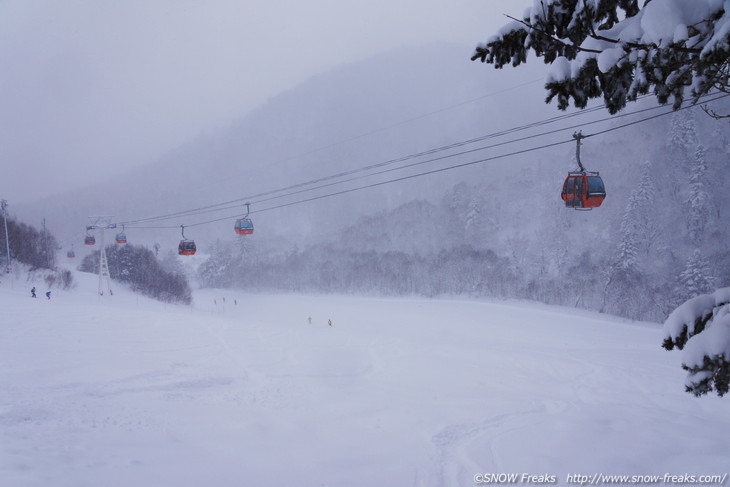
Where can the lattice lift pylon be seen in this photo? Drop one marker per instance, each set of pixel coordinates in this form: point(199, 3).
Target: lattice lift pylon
point(102, 223)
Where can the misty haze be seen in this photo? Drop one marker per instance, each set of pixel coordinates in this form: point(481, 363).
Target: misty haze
point(331, 244)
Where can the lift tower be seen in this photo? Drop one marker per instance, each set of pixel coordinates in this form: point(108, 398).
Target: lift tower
point(102, 223)
point(4, 208)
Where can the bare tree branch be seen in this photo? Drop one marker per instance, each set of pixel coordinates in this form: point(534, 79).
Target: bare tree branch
point(713, 113)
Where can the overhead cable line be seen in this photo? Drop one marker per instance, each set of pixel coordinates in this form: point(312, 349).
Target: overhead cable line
point(226, 204)
point(521, 139)
point(389, 181)
point(443, 169)
point(406, 121)
point(413, 119)
point(220, 207)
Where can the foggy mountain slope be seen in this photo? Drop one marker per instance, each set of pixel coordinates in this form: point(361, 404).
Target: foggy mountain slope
point(500, 219)
point(504, 231)
point(275, 145)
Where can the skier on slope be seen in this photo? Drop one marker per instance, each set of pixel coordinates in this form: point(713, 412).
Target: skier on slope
point(48, 294)
point(32, 292)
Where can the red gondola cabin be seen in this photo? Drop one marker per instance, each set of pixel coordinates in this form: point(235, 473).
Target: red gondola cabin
point(186, 247)
point(243, 226)
point(583, 190)
point(121, 238)
point(89, 240)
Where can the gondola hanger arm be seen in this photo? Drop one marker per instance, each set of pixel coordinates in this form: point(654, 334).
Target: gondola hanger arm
point(578, 136)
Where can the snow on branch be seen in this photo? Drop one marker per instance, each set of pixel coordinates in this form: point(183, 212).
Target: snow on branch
point(701, 328)
point(707, 357)
point(692, 317)
point(667, 45)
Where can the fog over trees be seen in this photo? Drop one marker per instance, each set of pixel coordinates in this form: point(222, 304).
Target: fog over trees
point(620, 50)
point(139, 268)
point(494, 227)
point(34, 249)
point(638, 256)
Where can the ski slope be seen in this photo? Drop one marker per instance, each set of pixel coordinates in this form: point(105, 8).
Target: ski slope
point(124, 391)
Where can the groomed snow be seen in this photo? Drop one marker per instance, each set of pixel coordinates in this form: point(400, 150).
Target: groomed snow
point(125, 391)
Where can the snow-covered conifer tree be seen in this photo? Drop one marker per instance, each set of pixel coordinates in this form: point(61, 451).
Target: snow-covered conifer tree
point(639, 218)
point(171, 263)
point(681, 143)
point(701, 329)
point(619, 49)
point(472, 213)
point(698, 199)
point(217, 270)
point(682, 136)
point(625, 272)
point(696, 278)
point(623, 277)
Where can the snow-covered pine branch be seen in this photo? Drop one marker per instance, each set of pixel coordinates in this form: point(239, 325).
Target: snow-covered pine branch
point(701, 329)
point(618, 49)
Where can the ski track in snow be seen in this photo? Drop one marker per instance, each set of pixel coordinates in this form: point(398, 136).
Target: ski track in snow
point(127, 391)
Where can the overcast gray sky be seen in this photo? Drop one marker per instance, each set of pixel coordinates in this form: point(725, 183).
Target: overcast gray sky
point(90, 88)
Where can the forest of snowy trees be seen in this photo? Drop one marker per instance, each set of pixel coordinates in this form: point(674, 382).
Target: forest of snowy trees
point(497, 229)
point(657, 248)
point(138, 266)
point(34, 248)
point(620, 50)
point(659, 240)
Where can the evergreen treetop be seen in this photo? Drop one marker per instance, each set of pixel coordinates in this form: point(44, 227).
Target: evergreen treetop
point(618, 49)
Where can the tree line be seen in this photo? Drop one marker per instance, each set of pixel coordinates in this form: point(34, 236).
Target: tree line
point(34, 248)
point(659, 239)
point(138, 266)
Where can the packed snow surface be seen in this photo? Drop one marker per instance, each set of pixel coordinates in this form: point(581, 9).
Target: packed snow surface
point(124, 391)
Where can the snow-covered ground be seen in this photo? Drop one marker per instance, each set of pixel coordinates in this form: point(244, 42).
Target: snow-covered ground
point(125, 391)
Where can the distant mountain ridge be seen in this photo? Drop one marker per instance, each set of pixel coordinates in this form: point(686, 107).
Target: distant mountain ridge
point(388, 106)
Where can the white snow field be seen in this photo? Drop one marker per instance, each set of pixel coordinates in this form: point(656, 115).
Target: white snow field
point(126, 391)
